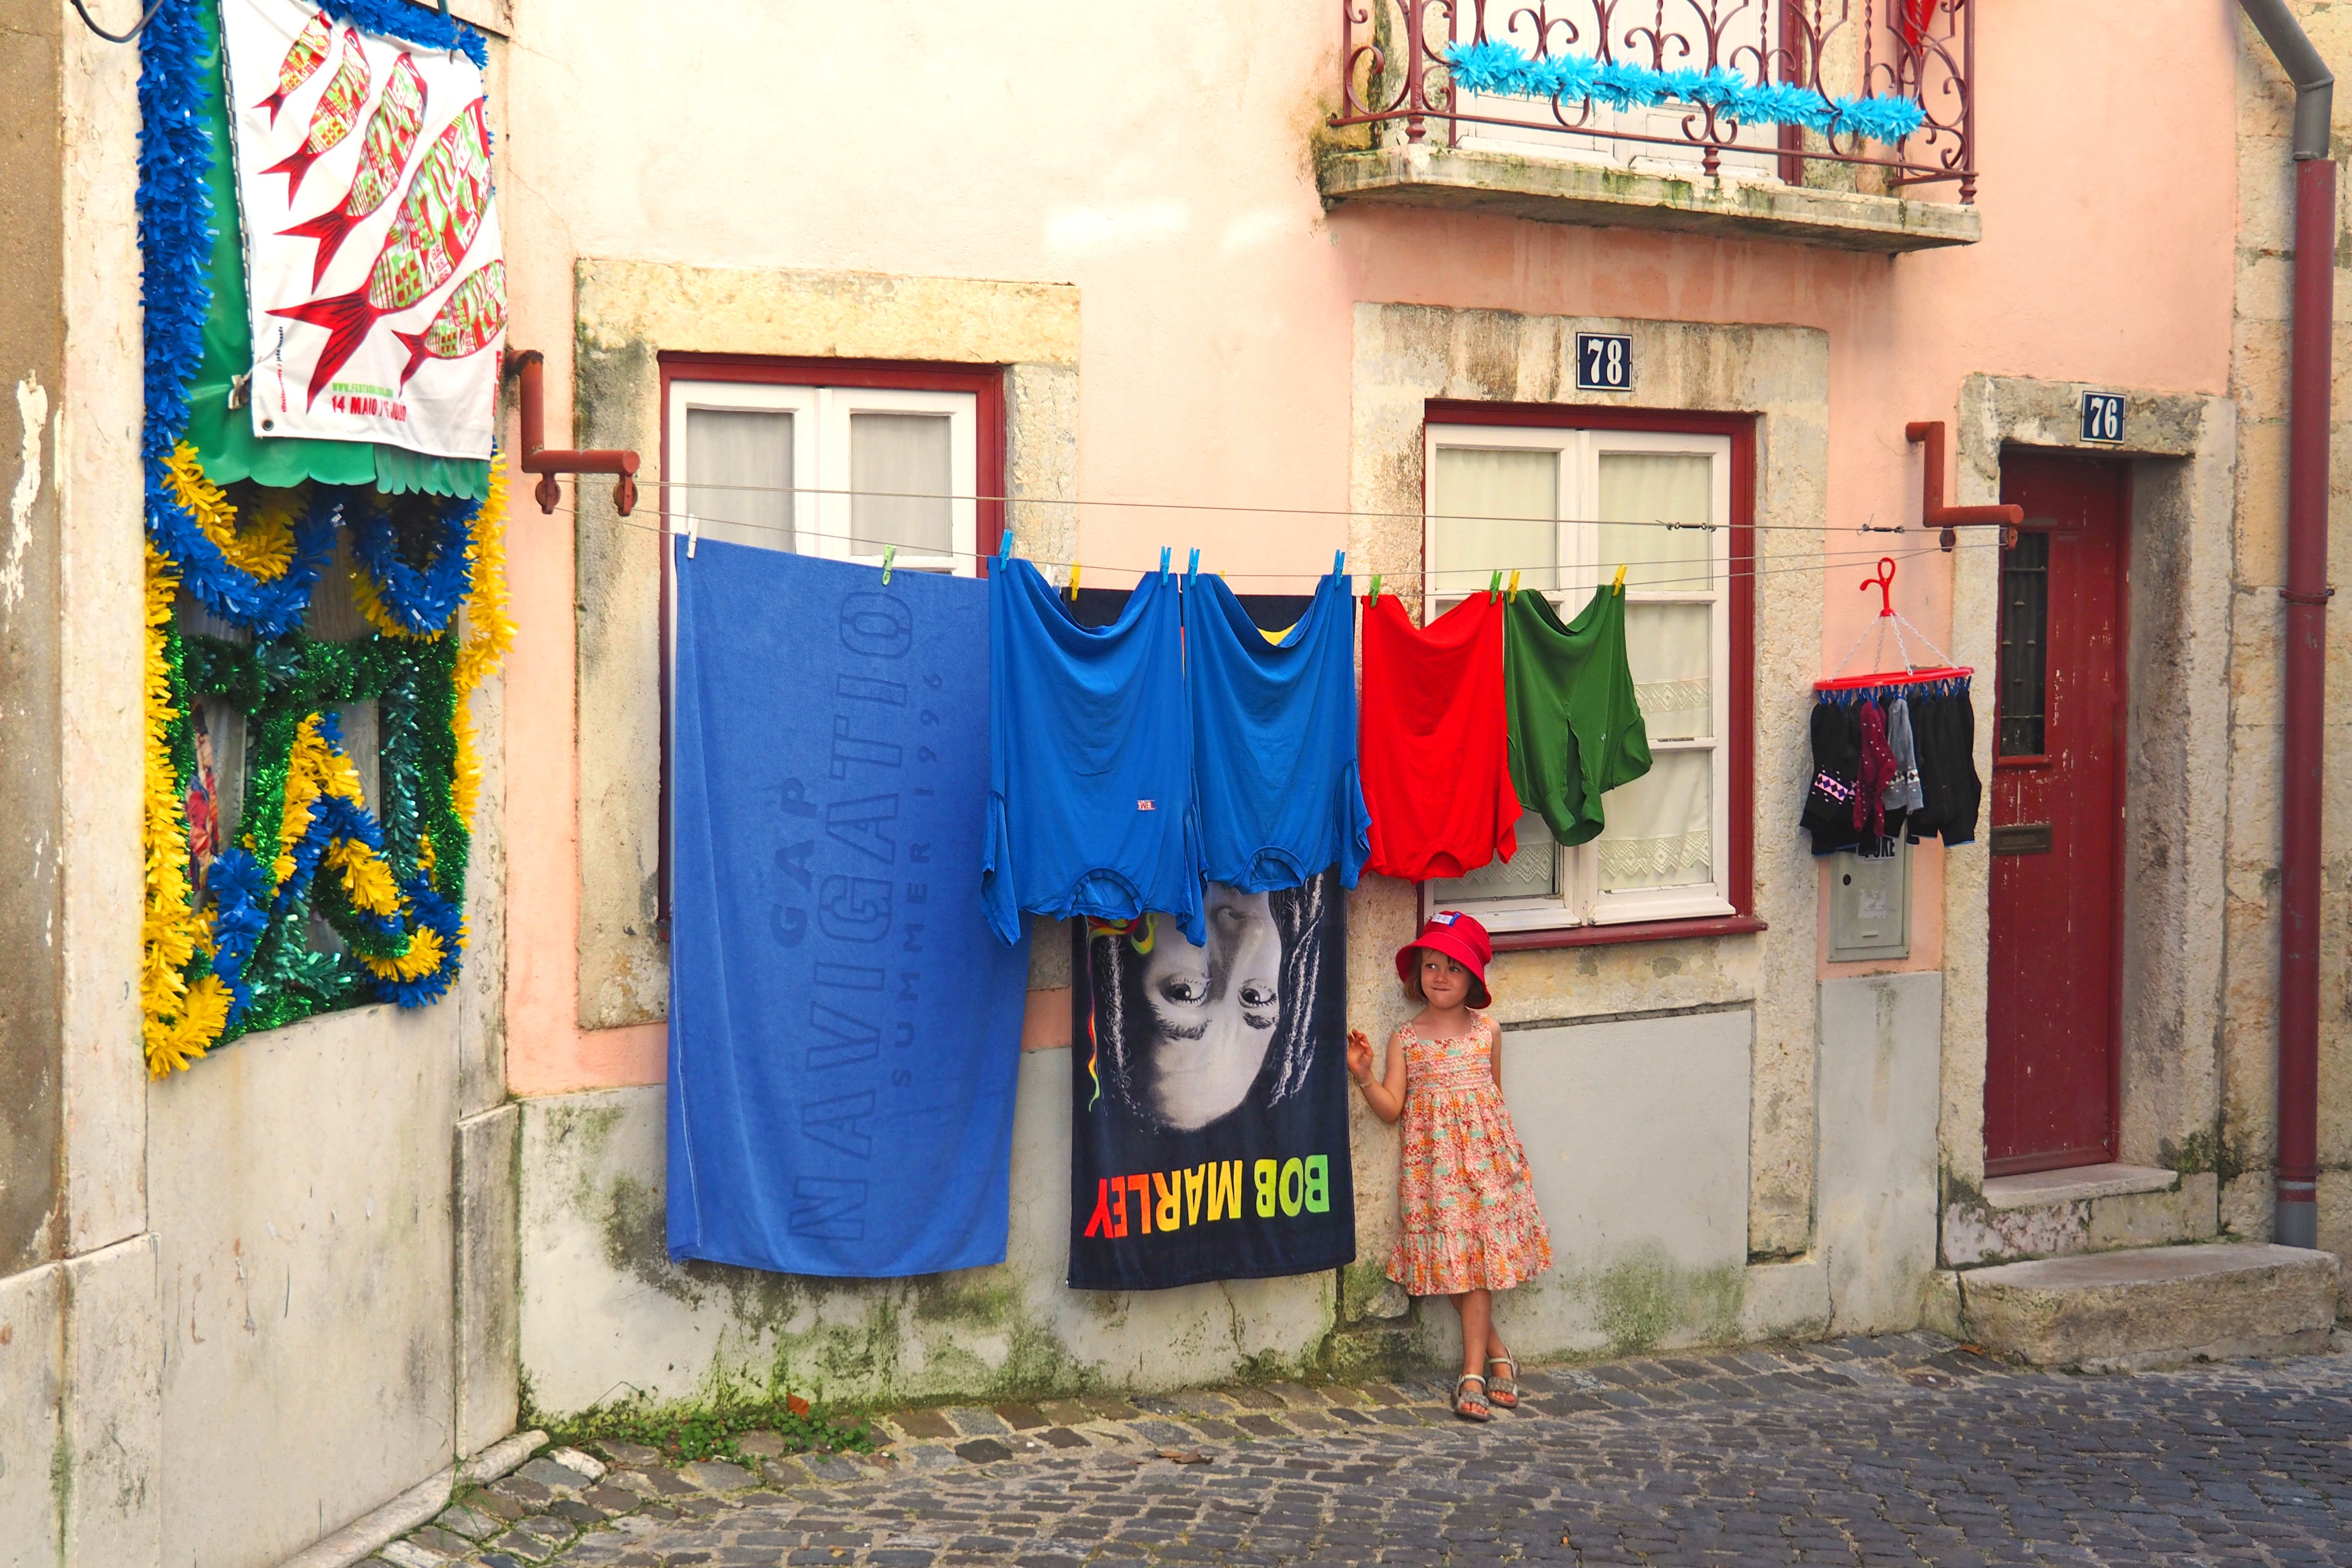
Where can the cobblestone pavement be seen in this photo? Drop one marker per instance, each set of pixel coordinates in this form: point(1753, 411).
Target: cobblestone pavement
point(1901, 1450)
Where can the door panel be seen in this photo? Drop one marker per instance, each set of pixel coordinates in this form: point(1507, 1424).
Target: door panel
point(2057, 799)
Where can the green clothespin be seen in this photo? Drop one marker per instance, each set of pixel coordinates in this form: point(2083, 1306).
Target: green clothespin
point(1376, 591)
point(889, 554)
point(1495, 586)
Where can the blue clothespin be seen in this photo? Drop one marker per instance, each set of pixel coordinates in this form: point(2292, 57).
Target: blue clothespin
point(1193, 570)
point(1339, 564)
point(1004, 550)
point(1164, 563)
point(889, 554)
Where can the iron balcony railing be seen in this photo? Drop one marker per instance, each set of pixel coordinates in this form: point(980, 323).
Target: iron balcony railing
point(1761, 88)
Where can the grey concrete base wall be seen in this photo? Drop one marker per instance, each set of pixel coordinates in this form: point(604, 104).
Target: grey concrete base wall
point(1879, 1082)
point(605, 1314)
point(1637, 1134)
point(300, 1184)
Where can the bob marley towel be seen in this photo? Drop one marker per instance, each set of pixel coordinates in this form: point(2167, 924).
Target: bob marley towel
point(1209, 1093)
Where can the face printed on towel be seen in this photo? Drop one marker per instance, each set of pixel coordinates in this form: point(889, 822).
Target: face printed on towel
point(1212, 1011)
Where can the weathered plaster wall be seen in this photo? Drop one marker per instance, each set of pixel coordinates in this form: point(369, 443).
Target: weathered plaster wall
point(301, 1186)
point(1406, 356)
point(2259, 364)
point(606, 1315)
point(1878, 1097)
point(32, 375)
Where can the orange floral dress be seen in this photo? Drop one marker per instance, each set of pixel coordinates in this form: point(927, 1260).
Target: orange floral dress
point(1469, 1201)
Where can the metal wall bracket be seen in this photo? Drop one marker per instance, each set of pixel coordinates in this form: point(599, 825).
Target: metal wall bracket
point(529, 369)
point(1933, 513)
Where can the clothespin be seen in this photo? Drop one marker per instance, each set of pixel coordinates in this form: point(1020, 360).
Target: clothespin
point(1193, 570)
point(693, 533)
point(1073, 582)
point(889, 554)
point(1164, 563)
point(1495, 586)
point(1621, 578)
point(1515, 586)
point(1376, 591)
point(1339, 564)
point(1005, 548)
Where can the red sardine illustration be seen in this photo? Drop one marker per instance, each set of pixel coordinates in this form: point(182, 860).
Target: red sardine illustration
point(439, 216)
point(468, 318)
point(391, 136)
point(337, 111)
point(309, 52)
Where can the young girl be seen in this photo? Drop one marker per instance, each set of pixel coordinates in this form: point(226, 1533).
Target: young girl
point(1470, 1223)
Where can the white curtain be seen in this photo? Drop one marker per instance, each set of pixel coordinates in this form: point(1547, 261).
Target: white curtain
point(1640, 489)
point(1670, 650)
point(728, 448)
point(1661, 826)
point(1493, 508)
point(1532, 873)
point(899, 469)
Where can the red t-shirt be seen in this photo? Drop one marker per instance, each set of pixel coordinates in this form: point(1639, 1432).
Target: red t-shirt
point(1432, 746)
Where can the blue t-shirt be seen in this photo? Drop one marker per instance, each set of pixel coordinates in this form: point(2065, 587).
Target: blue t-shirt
point(1089, 758)
point(1273, 740)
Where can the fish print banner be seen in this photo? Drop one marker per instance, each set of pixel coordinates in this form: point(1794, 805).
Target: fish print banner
point(1209, 1093)
point(373, 266)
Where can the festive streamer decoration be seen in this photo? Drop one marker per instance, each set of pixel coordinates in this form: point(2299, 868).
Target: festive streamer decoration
point(398, 599)
point(239, 953)
point(1498, 68)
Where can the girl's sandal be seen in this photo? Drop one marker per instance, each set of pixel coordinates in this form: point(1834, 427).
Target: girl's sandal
point(1468, 1405)
point(1503, 1391)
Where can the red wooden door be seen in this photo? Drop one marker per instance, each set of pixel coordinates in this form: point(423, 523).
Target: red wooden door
point(2057, 812)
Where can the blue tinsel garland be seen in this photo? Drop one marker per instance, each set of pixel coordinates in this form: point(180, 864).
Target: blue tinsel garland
point(1498, 68)
point(411, 24)
point(268, 609)
point(428, 909)
point(421, 600)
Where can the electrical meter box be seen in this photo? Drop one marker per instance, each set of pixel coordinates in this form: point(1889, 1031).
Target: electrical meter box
point(1870, 905)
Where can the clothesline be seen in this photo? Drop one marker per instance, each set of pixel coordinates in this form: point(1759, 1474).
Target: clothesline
point(1830, 560)
point(1253, 511)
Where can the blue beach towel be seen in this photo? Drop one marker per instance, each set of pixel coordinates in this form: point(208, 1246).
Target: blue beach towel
point(1090, 759)
point(843, 1035)
point(1273, 740)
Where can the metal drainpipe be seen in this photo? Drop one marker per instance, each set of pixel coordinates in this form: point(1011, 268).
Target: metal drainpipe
point(2306, 594)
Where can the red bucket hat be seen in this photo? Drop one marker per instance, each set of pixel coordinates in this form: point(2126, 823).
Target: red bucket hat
point(1460, 938)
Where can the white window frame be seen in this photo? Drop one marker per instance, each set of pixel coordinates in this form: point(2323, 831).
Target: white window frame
point(821, 464)
point(1581, 901)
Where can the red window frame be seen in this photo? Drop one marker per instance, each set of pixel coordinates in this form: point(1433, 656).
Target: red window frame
point(984, 382)
point(1740, 879)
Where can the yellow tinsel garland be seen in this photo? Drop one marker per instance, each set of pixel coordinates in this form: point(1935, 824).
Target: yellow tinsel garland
point(263, 546)
point(490, 633)
point(179, 1022)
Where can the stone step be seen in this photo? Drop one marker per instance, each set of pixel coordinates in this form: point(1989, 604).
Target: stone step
point(2153, 1306)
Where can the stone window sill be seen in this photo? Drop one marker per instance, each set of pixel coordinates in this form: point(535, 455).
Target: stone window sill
point(2040, 1189)
point(1560, 190)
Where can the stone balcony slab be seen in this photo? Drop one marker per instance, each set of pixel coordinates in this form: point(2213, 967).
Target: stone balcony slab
point(1569, 191)
point(2153, 1306)
point(2036, 1188)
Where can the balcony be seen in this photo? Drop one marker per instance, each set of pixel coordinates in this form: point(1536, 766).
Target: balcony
point(1810, 120)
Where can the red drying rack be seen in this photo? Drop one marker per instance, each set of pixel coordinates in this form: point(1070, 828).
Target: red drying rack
point(1884, 580)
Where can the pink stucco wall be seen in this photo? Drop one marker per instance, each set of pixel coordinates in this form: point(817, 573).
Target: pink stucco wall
point(1157, 157)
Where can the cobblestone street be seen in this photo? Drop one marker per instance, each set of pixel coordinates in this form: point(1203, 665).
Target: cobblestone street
point(1901, 1450)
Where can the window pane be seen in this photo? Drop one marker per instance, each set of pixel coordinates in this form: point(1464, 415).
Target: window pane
point(1532, 873)
point(739, 470)
point(1491, 510)
point(2024, 646)
point(899, 468)
point(1638, 489)
point(1661, 826)
point(1671, 649)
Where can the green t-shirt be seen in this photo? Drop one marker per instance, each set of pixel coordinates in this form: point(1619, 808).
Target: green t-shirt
point(1576, 732)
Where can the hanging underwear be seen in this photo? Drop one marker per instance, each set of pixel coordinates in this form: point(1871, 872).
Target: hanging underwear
point(1576, 732)
point(1432, 743)
point(1274, 738)
point(1089, 760)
